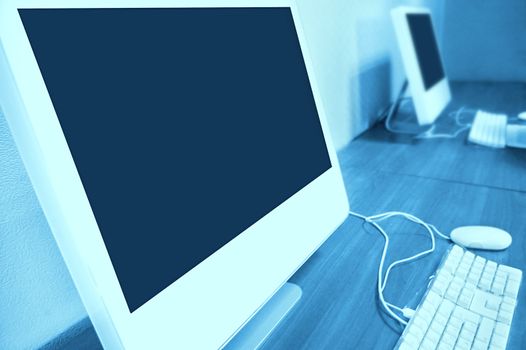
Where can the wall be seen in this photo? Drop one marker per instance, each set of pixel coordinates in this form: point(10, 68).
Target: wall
point(355, 59)
point(37, 297)
point(352, 45)
point(485, 40)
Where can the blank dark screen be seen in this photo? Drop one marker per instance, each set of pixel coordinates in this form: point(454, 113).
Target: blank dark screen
point(186, 126)
point(426, 48)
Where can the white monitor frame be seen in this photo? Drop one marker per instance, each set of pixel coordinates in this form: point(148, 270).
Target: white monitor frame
point(428, 103)
point(200, 310)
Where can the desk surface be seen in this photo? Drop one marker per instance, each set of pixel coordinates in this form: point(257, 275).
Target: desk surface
point(452, 160)
point(446, 182)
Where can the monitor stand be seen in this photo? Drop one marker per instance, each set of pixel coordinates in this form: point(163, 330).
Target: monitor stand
point(404, 123)
point(257, 330)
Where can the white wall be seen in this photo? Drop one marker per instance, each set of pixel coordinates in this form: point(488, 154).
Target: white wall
point(353, 47)
point(37, 296)
point(485, 40)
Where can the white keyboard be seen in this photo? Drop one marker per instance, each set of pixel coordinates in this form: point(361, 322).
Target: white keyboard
point(489, 129)
point(469, 305)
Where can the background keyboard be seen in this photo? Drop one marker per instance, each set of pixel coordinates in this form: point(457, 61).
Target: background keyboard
point(469, 305)
point(489, 129)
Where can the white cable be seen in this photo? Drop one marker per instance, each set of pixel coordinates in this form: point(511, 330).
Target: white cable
point(382, 279)
point(457, 115)
point(410, 217)
point(447, 238)
point(380, 273)
point(395, 307)
point(363, 217)
point(430, 135)
point(408, 312)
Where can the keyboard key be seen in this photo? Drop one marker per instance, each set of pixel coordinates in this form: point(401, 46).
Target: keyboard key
point(451, 265)
point(417, 333)
point(499, 341)
point(462, 272)
point(470, 255)
point(456, 321)
point(433, 336)
point(474, 277)
point(434, 299)
point(456, 252)
point(479, 263)
point(444, 346)
point(419, 322)
point(465, 298)
point(452, 293)
point(485, 283)
point(485, 330)
point(446, 308)
point(495, 347)
point(502, 329)
point(479, 345)
point(513, 273)
point(480, 303)
point(439, 288)
point(508, 300)
point(448, 338)
point(458, 282)
point(498, 285)
point(427, 344)
point(425, 315)
point(491, 267)
point(507, 307)
point(505, 317)
point(470, 327)
point(462, 344)
point(512, 289)
point(406, 346)
point(470, 316)
point(411, 340)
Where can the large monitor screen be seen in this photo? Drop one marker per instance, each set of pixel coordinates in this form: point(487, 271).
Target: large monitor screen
point(186, 126)
point(426, 47)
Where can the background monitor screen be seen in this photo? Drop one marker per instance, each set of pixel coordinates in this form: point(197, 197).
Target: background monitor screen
point(426, 47)
point(186, 126)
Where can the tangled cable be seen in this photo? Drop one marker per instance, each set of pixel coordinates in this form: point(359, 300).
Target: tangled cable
point(382, 278)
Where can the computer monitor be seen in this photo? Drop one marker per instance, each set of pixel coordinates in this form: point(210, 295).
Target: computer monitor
point(179, 152)
point(422, 62)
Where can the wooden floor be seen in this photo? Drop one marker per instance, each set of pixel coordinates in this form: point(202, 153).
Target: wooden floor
point(448, 183)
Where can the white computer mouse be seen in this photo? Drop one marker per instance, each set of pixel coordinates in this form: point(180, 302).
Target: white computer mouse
point(522, 116)
point(481, 237)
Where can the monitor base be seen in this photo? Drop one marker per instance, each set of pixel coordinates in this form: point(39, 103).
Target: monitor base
point(406, 122)
point(257, 330)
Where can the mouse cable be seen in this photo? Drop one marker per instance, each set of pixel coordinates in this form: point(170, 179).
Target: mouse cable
point(382, 278)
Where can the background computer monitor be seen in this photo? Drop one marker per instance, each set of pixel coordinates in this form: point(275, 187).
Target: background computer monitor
point(422, 62)
point(179, 152)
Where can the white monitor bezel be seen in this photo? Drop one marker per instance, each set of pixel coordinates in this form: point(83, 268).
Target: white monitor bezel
point(285, 238)
point(428, 103)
